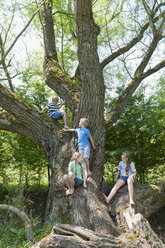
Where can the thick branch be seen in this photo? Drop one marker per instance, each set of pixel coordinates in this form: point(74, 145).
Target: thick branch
point(55, 78)
point(25, 116)
point(9, 123)
point(24, 218)
point(48, 31)
point(148, 54)
point(62, 84)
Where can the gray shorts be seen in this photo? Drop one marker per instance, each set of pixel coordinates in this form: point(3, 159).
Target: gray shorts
point(85, 150)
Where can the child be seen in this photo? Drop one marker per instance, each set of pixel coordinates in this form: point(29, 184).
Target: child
point(83, 142)
point(75, 173)
point(127, 170)
point(53, 112)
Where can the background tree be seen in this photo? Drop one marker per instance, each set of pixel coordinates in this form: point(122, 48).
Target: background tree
point(141, 37)
point(139, 129)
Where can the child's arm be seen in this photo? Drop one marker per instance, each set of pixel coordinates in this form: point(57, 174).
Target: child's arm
point(60, 105)
point(92, 142)
point(69, 130)
point(69, 169)
point(117, 175)
point(133, 175)
point(43, 110)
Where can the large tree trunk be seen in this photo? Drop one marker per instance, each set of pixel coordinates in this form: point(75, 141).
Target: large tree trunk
point(85, 99)
point(135, 230)
point(85, 208)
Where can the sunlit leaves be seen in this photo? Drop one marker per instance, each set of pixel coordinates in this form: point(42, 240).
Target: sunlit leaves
point(141, 131)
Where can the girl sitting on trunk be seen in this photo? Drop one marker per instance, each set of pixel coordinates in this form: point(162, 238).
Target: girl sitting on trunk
point(76, 173)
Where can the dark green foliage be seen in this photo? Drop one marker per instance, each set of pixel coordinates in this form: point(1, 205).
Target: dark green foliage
point(23, 161)
point(33, 202)
point(157, 223)
point(139, 130)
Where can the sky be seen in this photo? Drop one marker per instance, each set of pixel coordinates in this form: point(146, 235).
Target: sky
point(31, 41)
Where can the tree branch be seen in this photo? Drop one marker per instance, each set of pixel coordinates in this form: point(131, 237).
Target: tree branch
point(26, 117)
point(13, 43)
point(129, 45)
point(24, 218)
point(62, 84)
point(148, 54)
point(9, 123)
point(55, 77)
point(150, 15)
point(139, 75)
point(153, 70)
point(64, 13)
point(4, 66)
point(3, 79)
point(6, 35)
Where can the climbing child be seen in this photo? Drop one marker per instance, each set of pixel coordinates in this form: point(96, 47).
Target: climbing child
point(54, 113)
point(127, 170)
point(76, 173)
point(84, 136)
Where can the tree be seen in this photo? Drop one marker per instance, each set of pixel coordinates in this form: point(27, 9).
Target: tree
point(85, 96)
point(140, 129)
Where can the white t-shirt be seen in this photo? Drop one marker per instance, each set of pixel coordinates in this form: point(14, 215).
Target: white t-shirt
point(122, 167)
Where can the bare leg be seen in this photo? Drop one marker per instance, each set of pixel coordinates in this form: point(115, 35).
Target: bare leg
point(66, 120)
point(69, 181)
point(87, 166)
point(130, 182)
point(118, 185)
point(84, 177)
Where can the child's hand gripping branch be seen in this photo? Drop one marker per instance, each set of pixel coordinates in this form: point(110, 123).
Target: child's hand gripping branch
point(84, 136)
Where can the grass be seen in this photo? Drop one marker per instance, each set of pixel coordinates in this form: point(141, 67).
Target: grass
point(32, 201)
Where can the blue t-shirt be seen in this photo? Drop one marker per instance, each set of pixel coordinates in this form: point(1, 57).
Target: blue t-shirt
point(83, 135)
point(52, 108)
point(122, 167)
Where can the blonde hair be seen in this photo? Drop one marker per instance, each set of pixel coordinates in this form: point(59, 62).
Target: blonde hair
point(74, 157)
point(55, 98)
point(85, 121)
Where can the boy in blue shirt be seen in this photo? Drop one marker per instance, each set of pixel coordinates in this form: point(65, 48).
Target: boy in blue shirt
point(84, 136)
point(54, 113)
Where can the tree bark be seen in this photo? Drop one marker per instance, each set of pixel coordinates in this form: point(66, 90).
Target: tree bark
point(76, 237)
point(84, 99)
point(135, 231)
point(148, 199)
point(93, 91)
